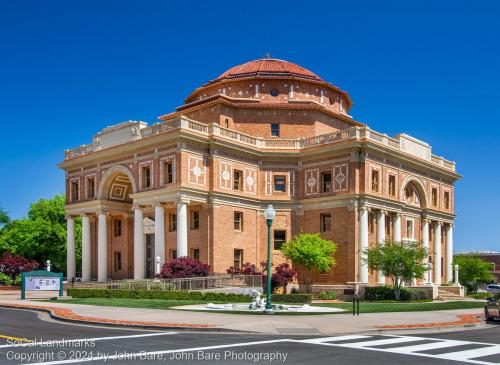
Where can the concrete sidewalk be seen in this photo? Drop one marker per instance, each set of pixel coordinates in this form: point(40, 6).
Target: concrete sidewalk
point(325, 324)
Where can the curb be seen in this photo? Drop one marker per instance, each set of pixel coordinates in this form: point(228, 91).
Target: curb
point(67, 315)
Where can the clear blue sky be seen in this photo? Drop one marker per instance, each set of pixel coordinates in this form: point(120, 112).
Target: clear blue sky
point(70, 68)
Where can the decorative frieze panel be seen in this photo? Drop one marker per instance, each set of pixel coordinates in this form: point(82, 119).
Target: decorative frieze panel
point(250, 180)
point(225, 175)
point(196, 171)
point(340, 177)
point(311, 181)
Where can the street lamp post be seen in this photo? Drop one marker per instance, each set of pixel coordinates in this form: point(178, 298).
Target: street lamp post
point(270, 213)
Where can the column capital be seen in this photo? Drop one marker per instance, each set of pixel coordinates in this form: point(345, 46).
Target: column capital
point(438, 223)
point(383, 212)
point(182, 200)
point(68, 216)
point(158, 204)
point(136, 206)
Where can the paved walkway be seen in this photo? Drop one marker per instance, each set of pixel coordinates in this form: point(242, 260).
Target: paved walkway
point(326, 324)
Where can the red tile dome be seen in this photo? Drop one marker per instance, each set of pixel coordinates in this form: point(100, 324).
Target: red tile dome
point(267, 67)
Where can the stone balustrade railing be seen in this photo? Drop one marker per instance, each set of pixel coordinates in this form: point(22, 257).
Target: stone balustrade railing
point(183, 123)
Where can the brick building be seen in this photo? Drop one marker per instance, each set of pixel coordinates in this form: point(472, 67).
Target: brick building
point(197, 182)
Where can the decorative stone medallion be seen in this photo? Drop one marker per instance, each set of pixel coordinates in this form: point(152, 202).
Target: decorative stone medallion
point(225, 175)
point(311, 182)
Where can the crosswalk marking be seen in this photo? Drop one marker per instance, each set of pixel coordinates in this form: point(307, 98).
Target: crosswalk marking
point(472, 354)
point(469, 356)
point(338, 338)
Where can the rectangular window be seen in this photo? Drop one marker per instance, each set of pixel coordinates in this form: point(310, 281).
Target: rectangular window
point(375, 181)
point(146, 177)
point(237, 180)
point(326, 222)
point(447, 200)
point(280, 183)
point(173, 254)
point(196, 253)
point(279, 238)
point(392, 185)
point(326, 182)
point(117, 261)
point(371, 225)
point(410, 234)
point(90, 187)
point(238, 221)
point(238, 259)
point(195, 220)
point(275, 130)
point(434, 197)
point(75, 190)
point(173, 222)
point(168, 171)
point(117, 227)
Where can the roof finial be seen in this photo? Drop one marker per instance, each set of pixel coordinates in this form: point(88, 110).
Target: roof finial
point(268, 55)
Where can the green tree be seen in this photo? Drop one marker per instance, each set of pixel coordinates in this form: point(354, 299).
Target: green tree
point(310, 252)
point(4, 217)
point(41, 235)
point(472, 271)
point(398, 261)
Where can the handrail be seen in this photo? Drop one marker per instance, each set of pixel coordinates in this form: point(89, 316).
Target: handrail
point(214, 129)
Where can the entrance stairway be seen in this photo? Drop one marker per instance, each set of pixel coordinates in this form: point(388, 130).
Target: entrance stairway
point(446, 295)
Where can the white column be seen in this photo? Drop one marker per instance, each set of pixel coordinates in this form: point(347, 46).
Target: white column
point(70, 248)
point(449, 254)
point(102, 248)
point(396, 228)
point(437, 253)
point(380, 239)
point(182, 244)
point(425, 244)
point(456, 275)
point(139, 247)
point(363, 245)
point(86, 250)
point(160, 234)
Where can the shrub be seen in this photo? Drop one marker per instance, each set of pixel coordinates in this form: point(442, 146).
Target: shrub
point(291, 298)
point(184, 267)
point(13, 265)
point(246, 269)
point(377, 293)
point(479, 295)
point(158, 294)
point(5, 279)
point(328, 295)
point(18, 280)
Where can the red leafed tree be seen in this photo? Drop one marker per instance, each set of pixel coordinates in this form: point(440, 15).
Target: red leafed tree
point(184, 267)
point(246, 269)
point(13, 265)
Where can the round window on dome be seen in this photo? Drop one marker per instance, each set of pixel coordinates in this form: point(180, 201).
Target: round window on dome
point(274, 92)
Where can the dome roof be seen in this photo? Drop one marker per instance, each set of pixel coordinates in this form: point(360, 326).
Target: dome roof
point(267, 67)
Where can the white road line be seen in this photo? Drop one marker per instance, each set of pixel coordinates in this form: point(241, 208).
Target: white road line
point(388, 341)
point(34, 344)
point(471, 354)
point(426, 346)
point(467, 356)
point(156, 353)
point(338, 338)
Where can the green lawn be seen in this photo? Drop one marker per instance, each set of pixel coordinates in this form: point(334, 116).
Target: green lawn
point(365, 307)
point(371, 307)
point(132, 303)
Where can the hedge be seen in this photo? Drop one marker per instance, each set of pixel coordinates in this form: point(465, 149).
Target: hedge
point(291, 298)
point(158, 294)
point(375, 293)
point(182, 295)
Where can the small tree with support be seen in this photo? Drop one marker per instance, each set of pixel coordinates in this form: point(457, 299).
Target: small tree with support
point(398, 261)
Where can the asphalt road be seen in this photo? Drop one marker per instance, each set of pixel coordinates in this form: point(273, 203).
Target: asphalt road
point(60, 343)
